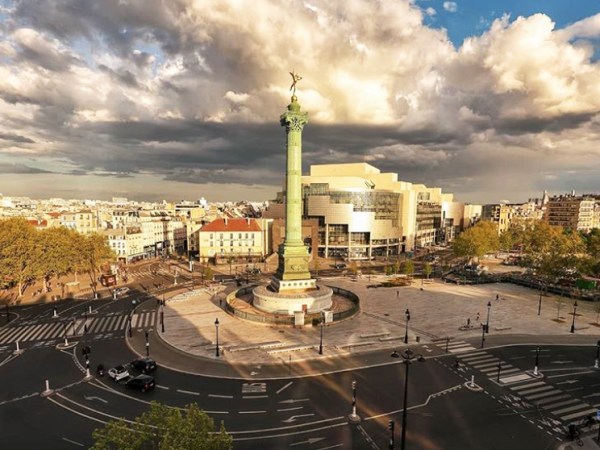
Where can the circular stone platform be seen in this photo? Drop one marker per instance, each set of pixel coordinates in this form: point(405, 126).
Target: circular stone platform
point(311, 301)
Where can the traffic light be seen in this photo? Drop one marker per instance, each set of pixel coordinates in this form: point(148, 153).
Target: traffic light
point(86, 350)
point(391, 426)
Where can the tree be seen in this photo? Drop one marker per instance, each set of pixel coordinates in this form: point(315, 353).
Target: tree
point(19, 250)
point(208, 273)
point(163, 427)
point(476, 241)
point(427, 269)
point(93, 253)
point(551, 251)
point(396, 267)
point(354, 268)
point(59, 253)
point(408, 267)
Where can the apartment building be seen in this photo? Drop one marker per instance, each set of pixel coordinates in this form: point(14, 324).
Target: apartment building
point(570, 211)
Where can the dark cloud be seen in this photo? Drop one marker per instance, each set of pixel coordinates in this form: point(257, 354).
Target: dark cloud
point(20, 169)
point(16, 138)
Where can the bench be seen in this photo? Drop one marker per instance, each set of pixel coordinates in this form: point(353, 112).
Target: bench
point(373, 335)
point(292, 348)
point(355, 344)
point(259, 345)
point(391, 338)
point(502, 328)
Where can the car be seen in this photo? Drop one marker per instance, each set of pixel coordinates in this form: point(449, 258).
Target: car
point(141, 382)
point(122, 290)
point(339, 266)
point(144, 365)
point(118, 373)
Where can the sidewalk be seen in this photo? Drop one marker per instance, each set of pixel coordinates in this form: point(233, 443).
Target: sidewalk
point(437, 311)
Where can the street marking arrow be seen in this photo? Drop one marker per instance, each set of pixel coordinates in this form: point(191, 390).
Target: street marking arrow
point(309, 441)
point(293, 418)
point(291, 400)
point(92, 398)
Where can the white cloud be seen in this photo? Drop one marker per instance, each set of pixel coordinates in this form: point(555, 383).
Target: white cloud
point(450, 6)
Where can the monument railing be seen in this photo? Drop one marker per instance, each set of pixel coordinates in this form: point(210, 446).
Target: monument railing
point(275, 319)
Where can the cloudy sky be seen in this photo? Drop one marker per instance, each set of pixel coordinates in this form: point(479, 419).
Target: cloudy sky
point(173, 99)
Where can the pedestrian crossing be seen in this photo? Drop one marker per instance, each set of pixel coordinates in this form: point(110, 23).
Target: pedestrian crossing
point(526, 390)
point(76, 327)
point(561, 405)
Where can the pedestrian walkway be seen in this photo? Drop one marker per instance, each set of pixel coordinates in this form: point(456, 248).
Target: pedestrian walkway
point(54, 329)
point(528, 391)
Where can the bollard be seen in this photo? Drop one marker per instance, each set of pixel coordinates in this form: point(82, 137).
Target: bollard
point(18, 350)
point(47, 391)
point(472, 380)
point(89, 309)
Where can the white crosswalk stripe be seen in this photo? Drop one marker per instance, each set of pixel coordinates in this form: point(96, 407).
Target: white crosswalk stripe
point(553, 400)
point(56, 329)
point(455, 346)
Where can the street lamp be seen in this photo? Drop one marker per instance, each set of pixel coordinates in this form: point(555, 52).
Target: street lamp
point(537, 361)
point(407, 316)
point(217, 332)
point(596, 366)
point(408, 356)
point(482, 336)
point(574, 313)
point(162, 315)
point(321, 341)
point(147, 343)
point(540, 302)
point(391, 428)
point(487, 322)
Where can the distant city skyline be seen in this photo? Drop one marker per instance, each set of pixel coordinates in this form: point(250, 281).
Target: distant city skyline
point(154, 100)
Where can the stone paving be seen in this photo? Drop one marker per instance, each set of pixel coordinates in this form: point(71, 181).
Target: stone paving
point(437, 310)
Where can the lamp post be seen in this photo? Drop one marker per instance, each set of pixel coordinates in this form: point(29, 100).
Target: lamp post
point(147, 343)
point(407, 316)
point(408, 356)
point(574, 313)
point(162, 315)
point(85, 327)
point(487, 322)
point(7, 314)
point(391, 428)
point(540, 302)
point(596, 364)
point(537, 361)
point(217, 333)
point(321, 340)
point(65, 332)
point(499, 370)
point(482, 336)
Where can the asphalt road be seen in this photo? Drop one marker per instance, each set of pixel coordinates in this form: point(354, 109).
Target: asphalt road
point(295, 413)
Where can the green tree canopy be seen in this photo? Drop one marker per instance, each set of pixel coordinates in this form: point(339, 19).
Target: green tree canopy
point(476, 241)
point(93, 253)
point(408, 267)
point(427, 269)
point(551, 251)
point(20, 250)
point(164, 428)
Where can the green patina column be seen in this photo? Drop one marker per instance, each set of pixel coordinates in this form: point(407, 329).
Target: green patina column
point(293, 254)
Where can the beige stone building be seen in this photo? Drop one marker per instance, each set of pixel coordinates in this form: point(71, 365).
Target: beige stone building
point(570, 211)
point(228, 239)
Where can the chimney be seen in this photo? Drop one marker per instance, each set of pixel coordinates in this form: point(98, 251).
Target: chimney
point(247, 220)
point(225, 219)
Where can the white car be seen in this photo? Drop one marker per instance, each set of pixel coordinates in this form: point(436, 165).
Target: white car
point(122, 290)
point(118, 373)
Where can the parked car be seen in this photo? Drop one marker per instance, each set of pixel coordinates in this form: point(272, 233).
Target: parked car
point(118, 373)
point(122, 290)
point(141, 382)
point(339, 266)
point(144, 365)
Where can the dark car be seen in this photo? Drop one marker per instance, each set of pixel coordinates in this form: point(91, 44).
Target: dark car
point(141, 382)
point(339, 266)
point(144, 365)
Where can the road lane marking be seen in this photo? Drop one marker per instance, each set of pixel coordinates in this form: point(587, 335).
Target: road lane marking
point(188, 392)
point(290, 409)
point(73, 442)
point(250, 397)
point(284, 387)
point(251, 412)
point(220, 396)
point(162, 387)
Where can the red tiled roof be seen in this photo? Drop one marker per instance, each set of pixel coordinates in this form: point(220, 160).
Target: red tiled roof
point(232, 225)
point(38, 223)
point(56, 215)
